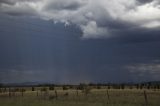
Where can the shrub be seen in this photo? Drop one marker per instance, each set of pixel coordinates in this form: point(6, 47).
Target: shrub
point(44, 89)
point(51, 88)
point(33, 89)
point(87, 90)
point(98, 87)
point(65, 87)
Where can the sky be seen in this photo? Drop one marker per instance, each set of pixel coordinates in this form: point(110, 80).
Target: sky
point(79, 41)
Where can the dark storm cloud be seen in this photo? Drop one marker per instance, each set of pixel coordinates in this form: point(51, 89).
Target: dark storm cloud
point(63, 5)
point(7, 2)
point(96, 19)
point(13, 2)
point(37, 50)
point(145, 1)
point(17, 8)
point(44, 49)
point(20, 12)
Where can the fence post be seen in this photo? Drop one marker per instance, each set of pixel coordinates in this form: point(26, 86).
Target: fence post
point(22, 92)
point(146, 99)
point(9, 92)
point(108, 96)
point(77, 92)
point(56, 94)
point(37, 92)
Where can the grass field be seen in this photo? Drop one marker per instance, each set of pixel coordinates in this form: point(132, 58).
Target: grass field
point(96, 97)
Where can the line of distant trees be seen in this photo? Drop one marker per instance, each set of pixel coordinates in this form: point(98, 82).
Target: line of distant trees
point(82, 86)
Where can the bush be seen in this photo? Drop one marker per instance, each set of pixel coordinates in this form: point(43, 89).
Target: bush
point(81, 87)
point(33, 89)
point(98, 87)
point(65, 87)
point(86, 90)
point(44, 89)
point(51, 88)
point(23, 90)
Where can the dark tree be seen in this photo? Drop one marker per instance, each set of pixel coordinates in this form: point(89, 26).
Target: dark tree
point(122, 86)
point(33, 89)
point(51, 88)
point(109, 86)
point(65, 87)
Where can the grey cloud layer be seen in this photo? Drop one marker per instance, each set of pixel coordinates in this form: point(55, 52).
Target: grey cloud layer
point(96, 19)
point(145, 1)
point(37, 50)
point(146, 69)
point(63, 5)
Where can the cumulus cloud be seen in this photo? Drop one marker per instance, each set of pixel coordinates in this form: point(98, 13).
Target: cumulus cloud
point(91, 30)
point(102, 18)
